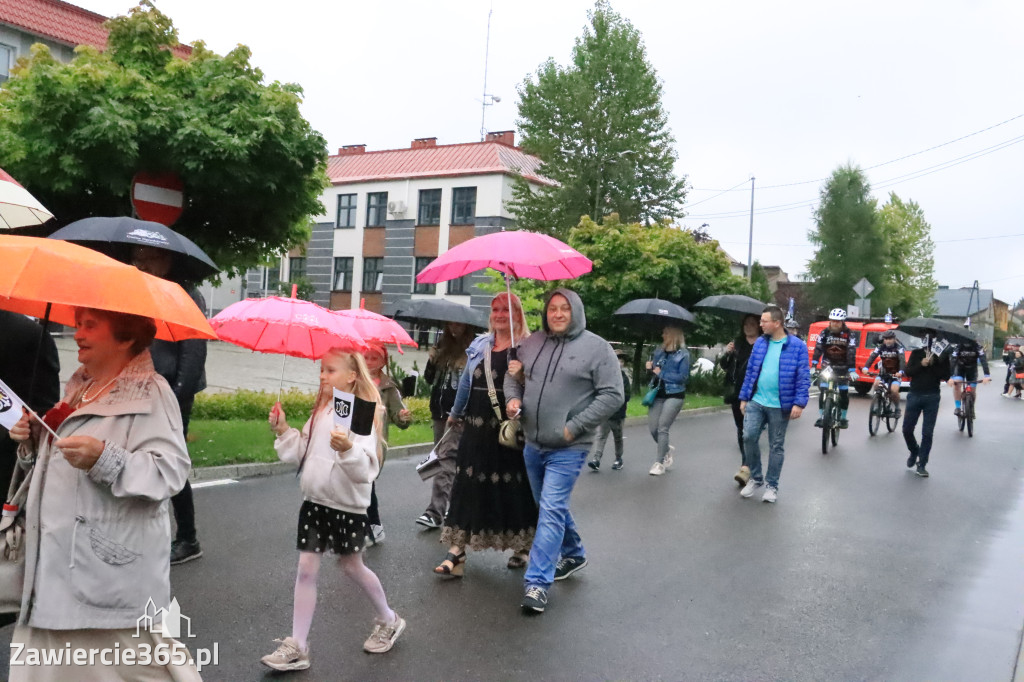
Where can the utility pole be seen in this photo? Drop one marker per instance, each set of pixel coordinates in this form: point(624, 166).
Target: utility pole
point(750, 242)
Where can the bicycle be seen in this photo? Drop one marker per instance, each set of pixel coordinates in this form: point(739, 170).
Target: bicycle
point(967, 399)
point(831, 413)
point(882, 406)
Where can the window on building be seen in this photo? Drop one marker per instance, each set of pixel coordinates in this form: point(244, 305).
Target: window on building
point(373, 274)
point(296, 268)
point(273, 278)
point(376, 209)
point(346, 210)
point(459, 286)
point(342, 275)
point(463, 205)
point(430, 207)
point(6, 60)
point(423, 288)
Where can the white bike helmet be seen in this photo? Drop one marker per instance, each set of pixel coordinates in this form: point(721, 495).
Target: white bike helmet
point(837, 314)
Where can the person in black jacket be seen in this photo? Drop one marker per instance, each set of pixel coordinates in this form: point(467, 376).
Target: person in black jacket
point(613, 425)
point(927, 371)
point(183, 365)
point(734, 362)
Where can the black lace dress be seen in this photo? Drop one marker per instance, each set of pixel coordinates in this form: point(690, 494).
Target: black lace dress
point(491, 506)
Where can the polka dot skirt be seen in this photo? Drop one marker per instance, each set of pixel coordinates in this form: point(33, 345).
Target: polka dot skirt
point(323, 529)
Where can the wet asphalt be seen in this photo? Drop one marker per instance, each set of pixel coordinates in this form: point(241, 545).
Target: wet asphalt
point(861, 571)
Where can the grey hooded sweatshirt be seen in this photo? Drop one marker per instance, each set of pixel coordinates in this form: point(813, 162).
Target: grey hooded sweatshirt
point(572, 380)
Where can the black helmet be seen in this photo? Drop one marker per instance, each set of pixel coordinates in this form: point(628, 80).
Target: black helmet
point(889, 334)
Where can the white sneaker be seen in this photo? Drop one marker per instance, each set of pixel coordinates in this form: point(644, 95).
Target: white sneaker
point(750, 487)
point(657, 469)
point(771, 494)
point(668, 456)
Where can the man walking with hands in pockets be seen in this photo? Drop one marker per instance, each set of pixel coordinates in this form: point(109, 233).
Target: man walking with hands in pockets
point(775, 390)
point(565, 383)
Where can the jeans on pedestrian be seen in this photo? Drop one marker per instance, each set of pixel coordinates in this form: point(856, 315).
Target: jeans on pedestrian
point(753, 423)
point(552, 475)
point(614, 427)
point(660, 416)
point(928, 403)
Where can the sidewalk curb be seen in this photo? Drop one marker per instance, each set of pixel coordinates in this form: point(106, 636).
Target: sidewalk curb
point(253, 470)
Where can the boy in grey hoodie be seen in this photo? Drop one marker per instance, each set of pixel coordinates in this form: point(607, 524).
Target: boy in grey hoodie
point(564, 384)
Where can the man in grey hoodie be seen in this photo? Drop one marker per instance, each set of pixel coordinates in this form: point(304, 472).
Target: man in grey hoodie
point(565, 382)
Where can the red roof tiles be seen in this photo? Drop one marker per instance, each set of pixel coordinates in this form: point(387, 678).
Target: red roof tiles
point(474, 158)
point(62, 22)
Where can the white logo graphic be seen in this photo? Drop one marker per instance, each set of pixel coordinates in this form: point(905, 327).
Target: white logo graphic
point(146, 236)
point(169, 620)
point(5, 401)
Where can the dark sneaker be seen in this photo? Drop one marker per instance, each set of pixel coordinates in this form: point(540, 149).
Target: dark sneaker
point(817, 424)
point(183, 551)
point(844, 423)
point(921, 471)
point(898, 413)
point(566, 566)
point(535, 600)
point(958, 412)
point(617, 464)
point(594, 464)
point(911, 461)
point(428, 521)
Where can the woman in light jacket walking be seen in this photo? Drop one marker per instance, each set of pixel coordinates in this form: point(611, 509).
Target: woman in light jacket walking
point(671, 368)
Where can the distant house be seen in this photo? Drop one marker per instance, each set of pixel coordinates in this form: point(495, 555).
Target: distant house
point(986, 312)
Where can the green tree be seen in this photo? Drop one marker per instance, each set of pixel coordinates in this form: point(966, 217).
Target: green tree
point(759, 287)
point(530, 292)
point(911, 257)
point(600, 131)
point(850, 242)
point(75, 134)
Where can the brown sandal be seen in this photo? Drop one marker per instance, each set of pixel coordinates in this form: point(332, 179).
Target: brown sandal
point(517, 560)
point(453, 565)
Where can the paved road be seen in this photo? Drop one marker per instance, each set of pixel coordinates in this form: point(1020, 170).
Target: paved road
point(862, 571)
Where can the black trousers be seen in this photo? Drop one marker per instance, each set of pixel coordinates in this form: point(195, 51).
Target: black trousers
point(737, 416)
point(182, 504)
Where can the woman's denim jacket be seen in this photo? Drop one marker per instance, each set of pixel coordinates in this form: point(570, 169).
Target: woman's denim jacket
point(675, 369)
point(474, 355)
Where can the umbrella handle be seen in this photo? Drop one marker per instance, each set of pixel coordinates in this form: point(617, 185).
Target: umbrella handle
point(512, 355)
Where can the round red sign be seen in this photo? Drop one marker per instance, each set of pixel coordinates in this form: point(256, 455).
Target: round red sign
point(159, 197)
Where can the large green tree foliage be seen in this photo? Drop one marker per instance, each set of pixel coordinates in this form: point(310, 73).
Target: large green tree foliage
point(911, 257)
point(75, 134)
point(599, 128)
point(850, 240)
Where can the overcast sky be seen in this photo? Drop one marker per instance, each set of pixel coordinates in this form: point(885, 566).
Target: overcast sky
point(781, 91)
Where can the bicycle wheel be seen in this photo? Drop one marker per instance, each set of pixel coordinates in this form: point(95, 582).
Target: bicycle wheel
point(891, 420)
point(969, 413)
point(826, 424)
point(875, 414)
point(960, 421)
point(835, 428)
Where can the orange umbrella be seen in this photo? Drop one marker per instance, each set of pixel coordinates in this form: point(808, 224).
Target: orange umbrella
point(48, 278)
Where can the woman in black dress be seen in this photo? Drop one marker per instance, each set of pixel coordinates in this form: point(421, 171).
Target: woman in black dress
point(492, 506)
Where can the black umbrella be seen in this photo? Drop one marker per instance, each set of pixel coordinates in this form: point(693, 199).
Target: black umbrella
point(116, 236)
point(436, 311)
point(918, 326)
point(731, 303)
point(654, 312)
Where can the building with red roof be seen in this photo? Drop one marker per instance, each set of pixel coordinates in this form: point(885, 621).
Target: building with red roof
point(388, 214)
point(60, 26)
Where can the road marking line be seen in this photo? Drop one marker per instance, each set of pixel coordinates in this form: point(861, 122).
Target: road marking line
point(210, 484)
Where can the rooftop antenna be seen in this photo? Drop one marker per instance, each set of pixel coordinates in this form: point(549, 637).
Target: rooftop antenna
point(487, 99)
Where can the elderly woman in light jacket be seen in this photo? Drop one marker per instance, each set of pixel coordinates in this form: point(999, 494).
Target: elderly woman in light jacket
point(97, 524)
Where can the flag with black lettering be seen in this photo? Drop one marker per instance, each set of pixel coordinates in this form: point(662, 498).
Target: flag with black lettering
point(353, 413)
point(10, 406)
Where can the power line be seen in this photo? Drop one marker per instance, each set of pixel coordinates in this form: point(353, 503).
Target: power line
point(877, 165)
point(720, 193)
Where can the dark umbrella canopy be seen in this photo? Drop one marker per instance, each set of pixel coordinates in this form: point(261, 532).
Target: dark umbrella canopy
point(436, 311)
point(116, 236)
point(654, 313)
point(736, 304)
point(918, 326)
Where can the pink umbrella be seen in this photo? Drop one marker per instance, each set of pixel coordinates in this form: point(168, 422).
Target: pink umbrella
point(376, 328)
point(516, 253)
point(286, 325)
point(18, 208)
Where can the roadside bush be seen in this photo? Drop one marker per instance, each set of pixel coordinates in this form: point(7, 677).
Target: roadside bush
point(707, 383)
point(245, 405)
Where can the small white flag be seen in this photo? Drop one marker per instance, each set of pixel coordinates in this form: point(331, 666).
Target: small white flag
point(10, 406)
point(353, 413)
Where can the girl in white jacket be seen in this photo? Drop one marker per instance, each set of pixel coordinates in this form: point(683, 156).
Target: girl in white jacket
point(338, 468)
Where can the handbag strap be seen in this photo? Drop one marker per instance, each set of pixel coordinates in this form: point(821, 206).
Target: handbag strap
point(18, 490)
point(491, 393)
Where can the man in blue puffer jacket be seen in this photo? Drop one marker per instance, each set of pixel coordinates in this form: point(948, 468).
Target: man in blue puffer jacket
point(775, 390)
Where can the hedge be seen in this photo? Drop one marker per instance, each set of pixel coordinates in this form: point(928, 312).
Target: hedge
point(255, 405)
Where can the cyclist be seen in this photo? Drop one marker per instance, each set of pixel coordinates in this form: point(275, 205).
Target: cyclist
point(892, 359)
point(837, 348)
point(963, 366)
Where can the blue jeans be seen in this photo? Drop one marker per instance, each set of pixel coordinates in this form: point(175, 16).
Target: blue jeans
point(753, 423)
point(928, 403)
point(552, 475)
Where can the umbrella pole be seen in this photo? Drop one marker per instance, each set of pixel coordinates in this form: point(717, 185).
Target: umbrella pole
point(511, 321)
point(39, 354)
point(280, 385)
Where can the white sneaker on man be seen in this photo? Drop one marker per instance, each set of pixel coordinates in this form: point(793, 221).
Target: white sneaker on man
point(771, 494)
point(657, 469)
point(751, 486)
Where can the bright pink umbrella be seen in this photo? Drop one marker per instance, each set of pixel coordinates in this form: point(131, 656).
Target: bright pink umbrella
point(517, 253)
point(18, 208)
point(286, 325)
point(376, 328)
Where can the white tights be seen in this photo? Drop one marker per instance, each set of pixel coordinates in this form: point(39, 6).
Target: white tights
point(305, 590)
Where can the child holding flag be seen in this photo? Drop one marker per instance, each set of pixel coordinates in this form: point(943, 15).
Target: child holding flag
point(337, 467)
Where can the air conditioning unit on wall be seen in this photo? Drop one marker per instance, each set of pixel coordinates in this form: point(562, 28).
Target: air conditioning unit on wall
point(396, 207)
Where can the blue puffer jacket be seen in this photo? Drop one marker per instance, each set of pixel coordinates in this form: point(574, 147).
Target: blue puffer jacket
point(794, 373)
